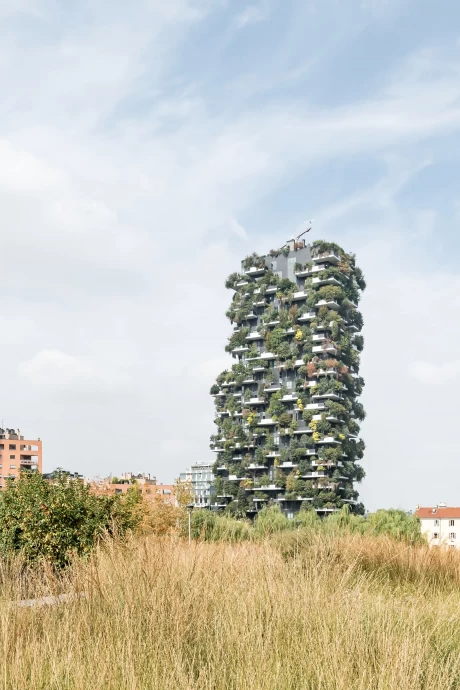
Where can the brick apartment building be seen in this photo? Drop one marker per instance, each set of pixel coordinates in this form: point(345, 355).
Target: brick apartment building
point(18, 453)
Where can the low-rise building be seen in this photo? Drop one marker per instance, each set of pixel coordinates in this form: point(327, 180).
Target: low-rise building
point(18, 453)
point(201, 477)
point(440, 525)
point(147, 484)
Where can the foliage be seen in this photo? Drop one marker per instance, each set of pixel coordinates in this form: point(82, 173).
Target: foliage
point(54, 521)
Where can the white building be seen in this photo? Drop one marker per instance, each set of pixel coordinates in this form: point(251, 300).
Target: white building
point(440, 525)
point(201, 476)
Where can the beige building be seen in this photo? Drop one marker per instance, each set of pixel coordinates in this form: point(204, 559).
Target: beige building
point(440, 525)
point(18, 453)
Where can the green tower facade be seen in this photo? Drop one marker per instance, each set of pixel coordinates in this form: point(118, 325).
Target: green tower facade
point(287, 413)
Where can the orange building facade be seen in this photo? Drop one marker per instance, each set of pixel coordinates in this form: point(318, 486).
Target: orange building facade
point(18, 453)
point(147, 485)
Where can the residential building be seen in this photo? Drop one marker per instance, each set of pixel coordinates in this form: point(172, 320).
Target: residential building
point(18, 453)
point(440, 525)
point(201, 477)
point(287, 411)
point(146, 483)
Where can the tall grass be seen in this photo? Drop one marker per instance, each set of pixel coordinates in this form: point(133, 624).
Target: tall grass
point(298, 610)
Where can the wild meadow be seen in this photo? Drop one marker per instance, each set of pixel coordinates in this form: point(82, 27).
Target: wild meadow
point(322, 606)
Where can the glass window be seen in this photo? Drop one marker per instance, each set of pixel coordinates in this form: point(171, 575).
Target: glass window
point(435, 535)
point(436, 523)
point(12, 467)
point(451, 523)
point(12, 446)
point(452, 535)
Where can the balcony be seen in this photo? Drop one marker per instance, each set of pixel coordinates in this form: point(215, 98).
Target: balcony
point(242, 283)
point(289, 398)
point(253, 466)
point(326, 281)
point(262, 355)
point(273, 389)
point(324, 372)
point(227, 384)
point(272, 323)
point(330, 304)
point(219, 395)
point(287, 465)
point(273, 455)
point(241, 349)
point(258, 369)
point(254, 336)
point(330, 418)
point(309, 316)
point(329, 257)
point(326, 396)
point(260, 303)
point(297, 296)
point(315, 406)
point(270, 290)
point(329, 349)
point(271, 487)
point(330, 441)
point(319, 337)
point(255, 401)
point(254, 271)
point(267, 421)
point(251, 316)
point(303, 430)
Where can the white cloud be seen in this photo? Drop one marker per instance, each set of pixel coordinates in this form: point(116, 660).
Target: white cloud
point(252, 14)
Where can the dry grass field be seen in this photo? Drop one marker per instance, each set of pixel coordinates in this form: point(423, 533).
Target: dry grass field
point(294, 611)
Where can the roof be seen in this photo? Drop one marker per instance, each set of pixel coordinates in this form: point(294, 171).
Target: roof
point(438, 512)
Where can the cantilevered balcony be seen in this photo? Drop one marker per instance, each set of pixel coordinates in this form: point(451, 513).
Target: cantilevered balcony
point(254, 335)
point(308, 316)
point(287, 465)
point(315, 406)
point(328, 348)
point(330, 304)
point(326, 281)
point(271, 487)
point(326, 396)
point(254, 466)
point(298, 296)
point(267, 421)
point(240, 350)
point(328, 257)
point(330, 441)
point(255, 401)
point(254, 271)
point(290, 397)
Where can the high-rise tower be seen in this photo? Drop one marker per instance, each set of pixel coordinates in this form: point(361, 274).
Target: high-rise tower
point(287, 412)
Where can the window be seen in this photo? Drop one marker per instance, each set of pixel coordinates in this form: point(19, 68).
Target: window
point(12, 467)
point(273, 265)
point(452, 535)
point(435, 535)
point(2, 446)
point(290, 516)
point(451, 523)
point(12, 457)
point(289, 384)
point(436, 523)
point(12, 446)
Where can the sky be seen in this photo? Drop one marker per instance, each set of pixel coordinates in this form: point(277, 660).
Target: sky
point(147, 147)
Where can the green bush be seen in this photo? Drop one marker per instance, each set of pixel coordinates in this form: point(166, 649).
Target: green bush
point(53, 521)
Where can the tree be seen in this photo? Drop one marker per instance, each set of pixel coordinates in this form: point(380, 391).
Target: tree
point(183, 492)
point(56, 520)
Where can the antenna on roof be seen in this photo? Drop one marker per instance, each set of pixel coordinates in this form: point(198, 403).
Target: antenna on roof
point(310, 225)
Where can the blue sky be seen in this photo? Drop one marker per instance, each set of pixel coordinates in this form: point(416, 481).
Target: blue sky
point(145, 149)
